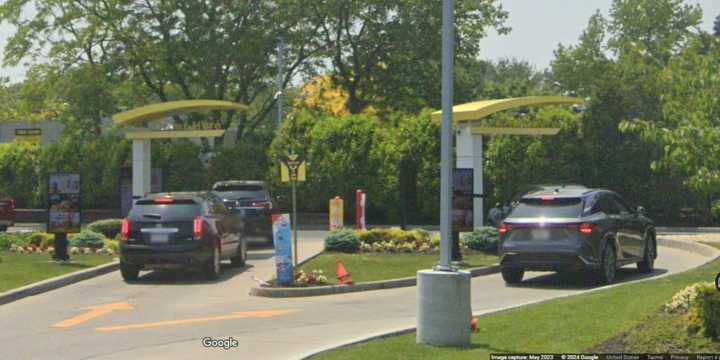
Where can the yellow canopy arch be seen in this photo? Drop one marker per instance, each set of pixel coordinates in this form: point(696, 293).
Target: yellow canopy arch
point(144, 114)
point(481, 109)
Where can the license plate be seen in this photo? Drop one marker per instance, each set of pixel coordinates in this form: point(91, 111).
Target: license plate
point(159, 238)
point(540, 234)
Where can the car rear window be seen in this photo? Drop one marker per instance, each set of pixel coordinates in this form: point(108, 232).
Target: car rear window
point(178, 211)
point(555, 208)
point(238, 187)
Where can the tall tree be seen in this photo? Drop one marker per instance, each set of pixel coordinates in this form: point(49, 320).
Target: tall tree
point(385, 53)
point(716, 26)
point(177, 49)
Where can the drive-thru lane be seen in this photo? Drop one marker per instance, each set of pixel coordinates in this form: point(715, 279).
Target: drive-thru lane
point(166, 316)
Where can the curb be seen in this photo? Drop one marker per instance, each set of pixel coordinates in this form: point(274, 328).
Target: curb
point(57, 282)
point(705, 250)
point(682, 230)
point(343, 289)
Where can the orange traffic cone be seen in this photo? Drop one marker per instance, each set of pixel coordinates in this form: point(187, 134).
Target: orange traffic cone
point(342, 274)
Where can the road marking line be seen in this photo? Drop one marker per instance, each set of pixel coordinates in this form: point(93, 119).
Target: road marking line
point(233, 316)
point(95, 312)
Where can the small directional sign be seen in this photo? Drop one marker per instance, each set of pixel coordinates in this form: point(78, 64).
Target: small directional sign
point(292, 168)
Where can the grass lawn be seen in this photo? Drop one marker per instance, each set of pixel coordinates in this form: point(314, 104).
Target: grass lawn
point(713, 244)
point(659, 333)
point(374, 266)
point(18, 270)
point(575, 324)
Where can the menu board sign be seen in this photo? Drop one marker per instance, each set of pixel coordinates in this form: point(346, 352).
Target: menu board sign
point(64, 203)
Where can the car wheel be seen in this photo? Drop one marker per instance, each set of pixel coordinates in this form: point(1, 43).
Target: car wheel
point(608, 266)
point(212, 268)
point(513, 275)
point(129, 272)
point(647, 265)
point(241, 257)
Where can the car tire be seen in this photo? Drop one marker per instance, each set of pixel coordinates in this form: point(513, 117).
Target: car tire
point(212, 268)
point(647, 265)
point(608, 266)
point(513, 275)
point(240, 259)
point(129, 272)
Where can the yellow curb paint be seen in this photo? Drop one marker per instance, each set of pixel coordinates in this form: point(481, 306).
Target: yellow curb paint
point(233, 316)
point(95, 312)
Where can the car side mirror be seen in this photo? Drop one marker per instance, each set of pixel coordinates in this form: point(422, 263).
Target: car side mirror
point(640, 210)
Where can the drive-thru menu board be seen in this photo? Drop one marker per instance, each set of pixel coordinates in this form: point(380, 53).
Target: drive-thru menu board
point(64, 203)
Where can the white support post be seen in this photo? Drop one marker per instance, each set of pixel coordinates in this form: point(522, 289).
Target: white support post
point(470, 156)
point(141, 168)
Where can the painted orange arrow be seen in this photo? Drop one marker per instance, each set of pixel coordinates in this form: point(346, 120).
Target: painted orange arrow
point(235, 315)
point(95, 312)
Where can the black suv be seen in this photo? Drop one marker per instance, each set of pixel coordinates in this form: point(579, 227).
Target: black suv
point(177, 230)
point(251, 202)
point(568, 229)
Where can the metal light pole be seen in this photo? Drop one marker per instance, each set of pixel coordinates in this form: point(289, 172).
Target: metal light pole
point(281, 65)
point(446, 135)
point(444, 293)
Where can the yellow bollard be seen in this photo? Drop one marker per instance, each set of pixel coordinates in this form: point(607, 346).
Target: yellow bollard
point(336, 213)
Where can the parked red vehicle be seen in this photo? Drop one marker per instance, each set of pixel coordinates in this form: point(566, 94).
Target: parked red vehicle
point(7, 213)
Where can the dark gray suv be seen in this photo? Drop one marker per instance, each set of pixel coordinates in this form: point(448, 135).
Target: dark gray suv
point(573, 229)
point(249, 200)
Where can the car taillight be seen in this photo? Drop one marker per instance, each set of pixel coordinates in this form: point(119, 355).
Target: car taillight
point(262, 205)
point(198, 228)
point(125, 229)
point(164, 200)
point(503, 228)
point(586, 229)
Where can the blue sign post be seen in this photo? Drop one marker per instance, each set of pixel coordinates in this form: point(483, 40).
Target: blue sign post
point(283, 249)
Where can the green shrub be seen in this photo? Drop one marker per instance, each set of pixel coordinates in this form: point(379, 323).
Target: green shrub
point(5, 242)
point(19, 239)
point(368, 236)
point(704, 315)
point(41, 239)
point(108, 227)
point(483, 239)
point(112, 245)
point(342, 241)
point(88, 238)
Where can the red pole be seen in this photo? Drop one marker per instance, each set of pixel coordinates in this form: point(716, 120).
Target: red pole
point(358, 209)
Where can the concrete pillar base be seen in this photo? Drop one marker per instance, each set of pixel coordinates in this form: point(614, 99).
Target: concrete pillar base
point(443, 308)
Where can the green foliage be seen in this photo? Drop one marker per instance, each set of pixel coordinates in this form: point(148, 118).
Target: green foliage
point(42, 240)
point(89, 239)
point(704, 314)
point(342, 241)
point(394, 240)
point(483, 239)
point(7, 240)
point(180, 158)
point(19, 173)
point(394, 70)
point(97, 160)
point(109, 228)
point(112, 245)
point(246, 160)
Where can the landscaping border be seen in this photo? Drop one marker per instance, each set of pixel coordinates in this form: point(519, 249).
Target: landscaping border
point(365, 286)
point(57, 282)
point(705, 250)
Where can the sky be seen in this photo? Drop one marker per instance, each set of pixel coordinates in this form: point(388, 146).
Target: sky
point(538, 26)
